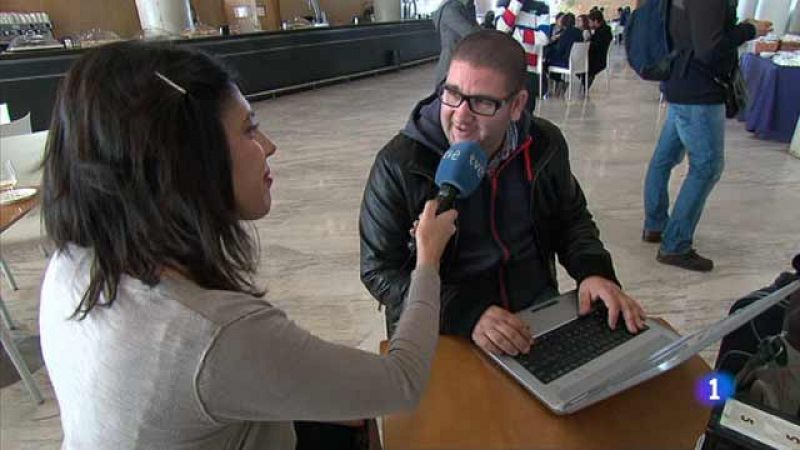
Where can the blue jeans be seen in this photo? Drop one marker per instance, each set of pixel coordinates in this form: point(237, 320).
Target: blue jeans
point(699, 131)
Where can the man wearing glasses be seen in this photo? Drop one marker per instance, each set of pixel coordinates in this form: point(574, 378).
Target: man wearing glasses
point(528, 209)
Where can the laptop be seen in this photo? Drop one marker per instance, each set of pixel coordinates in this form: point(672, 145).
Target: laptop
point(576, 361)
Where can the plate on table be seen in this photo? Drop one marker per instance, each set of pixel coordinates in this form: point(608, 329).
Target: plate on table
point(16, 195)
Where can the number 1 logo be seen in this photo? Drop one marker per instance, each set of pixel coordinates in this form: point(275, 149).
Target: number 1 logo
point(715, 388)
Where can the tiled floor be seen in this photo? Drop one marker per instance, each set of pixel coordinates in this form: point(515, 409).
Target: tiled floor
point(327, 139)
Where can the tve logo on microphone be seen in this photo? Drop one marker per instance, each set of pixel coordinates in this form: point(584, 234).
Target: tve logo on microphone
point(474, 155)
point(463, 166)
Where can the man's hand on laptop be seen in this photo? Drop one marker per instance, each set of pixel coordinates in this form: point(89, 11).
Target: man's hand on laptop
point(501, 332)
point(599, 288)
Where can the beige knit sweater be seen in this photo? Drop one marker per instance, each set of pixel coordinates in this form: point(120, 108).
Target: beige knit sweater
point(177, 366)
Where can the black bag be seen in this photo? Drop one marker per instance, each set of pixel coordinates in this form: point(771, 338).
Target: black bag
point(337, 436)
point(746, 339)
point(735, 92)
point(754, 351)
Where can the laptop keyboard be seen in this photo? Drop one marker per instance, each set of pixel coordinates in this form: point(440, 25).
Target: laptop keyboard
point(559, 352)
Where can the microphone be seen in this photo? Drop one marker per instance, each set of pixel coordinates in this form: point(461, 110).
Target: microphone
point(459, 173)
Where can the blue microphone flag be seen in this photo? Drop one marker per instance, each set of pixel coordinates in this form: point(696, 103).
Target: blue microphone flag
point(463, 167)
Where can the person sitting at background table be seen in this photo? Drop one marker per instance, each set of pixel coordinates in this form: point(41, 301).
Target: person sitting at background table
point(153, 330)
point(555, 28)
point(557, 53)
point(598, 44)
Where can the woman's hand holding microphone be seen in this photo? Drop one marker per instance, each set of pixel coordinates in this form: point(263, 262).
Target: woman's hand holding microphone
point(432, 233)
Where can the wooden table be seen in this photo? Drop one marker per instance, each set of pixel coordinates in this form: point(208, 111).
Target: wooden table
point(10, 214)
point(471, 404)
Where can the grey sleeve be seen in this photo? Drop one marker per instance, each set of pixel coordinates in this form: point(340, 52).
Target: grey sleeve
point(456, 18)
point(264, 367)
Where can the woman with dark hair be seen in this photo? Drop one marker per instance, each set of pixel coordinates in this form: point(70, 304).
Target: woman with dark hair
point(152, 328)
point(557, 53)
point(599, 44)
point(556, 28)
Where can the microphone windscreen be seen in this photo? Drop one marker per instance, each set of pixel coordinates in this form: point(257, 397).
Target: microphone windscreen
point(463, 167)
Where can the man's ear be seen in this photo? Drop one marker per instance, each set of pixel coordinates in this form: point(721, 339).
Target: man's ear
point(518, 104)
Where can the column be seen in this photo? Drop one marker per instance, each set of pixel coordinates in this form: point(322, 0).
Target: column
point(173, 16)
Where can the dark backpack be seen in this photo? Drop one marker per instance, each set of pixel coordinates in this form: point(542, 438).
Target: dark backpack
point(647, 41)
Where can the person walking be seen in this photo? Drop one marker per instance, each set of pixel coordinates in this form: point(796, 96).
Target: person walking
point(706, 32)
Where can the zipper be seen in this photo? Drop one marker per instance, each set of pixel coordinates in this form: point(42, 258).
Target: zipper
point(499, 242)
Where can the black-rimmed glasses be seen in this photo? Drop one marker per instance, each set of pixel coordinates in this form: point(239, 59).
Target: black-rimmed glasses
point(481, 105)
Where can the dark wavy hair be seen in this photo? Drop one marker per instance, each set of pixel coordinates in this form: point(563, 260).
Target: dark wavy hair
point(583, 21)
point(140, 172)
point(568, 20)
point(597, 16)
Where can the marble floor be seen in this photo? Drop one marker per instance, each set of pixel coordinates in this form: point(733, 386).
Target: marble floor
point(327, 140)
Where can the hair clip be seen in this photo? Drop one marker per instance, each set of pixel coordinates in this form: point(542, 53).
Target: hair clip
point(171, 83)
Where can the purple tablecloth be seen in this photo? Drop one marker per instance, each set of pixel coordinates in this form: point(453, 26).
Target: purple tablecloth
point(773, 94)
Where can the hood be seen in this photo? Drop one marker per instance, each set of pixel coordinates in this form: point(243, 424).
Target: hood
point(425, 125)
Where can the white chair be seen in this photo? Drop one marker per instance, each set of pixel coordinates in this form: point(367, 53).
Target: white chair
point(7, 342)
point(4, 115)
point(19, 126)
point(578, 64)
point(539, 49)
point(794, 147)
point(25, 151)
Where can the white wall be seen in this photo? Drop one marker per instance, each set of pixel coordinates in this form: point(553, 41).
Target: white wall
point(776, 11)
